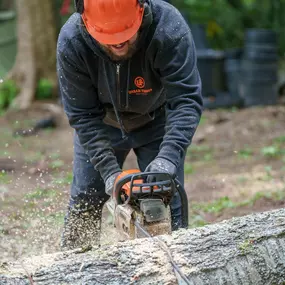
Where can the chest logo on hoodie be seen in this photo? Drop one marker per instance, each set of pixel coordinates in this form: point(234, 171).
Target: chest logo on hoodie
point(140, 83)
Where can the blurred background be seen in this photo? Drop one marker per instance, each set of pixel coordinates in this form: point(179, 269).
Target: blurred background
point(240, 48)
point(235, 165)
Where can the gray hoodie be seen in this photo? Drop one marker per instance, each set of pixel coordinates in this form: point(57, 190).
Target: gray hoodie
point(162, 74)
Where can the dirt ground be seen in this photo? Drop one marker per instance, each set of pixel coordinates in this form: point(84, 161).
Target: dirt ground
point(235, 166)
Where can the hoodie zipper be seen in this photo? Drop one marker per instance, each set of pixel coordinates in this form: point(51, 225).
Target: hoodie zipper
point(124, 136)
point(123, 100)
point(118, 67)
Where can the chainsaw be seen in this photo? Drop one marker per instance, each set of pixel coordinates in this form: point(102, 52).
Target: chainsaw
point(139, 207)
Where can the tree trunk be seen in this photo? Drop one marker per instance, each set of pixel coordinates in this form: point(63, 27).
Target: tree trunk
point(36, 56)
point(245, 250)
point(6, 5)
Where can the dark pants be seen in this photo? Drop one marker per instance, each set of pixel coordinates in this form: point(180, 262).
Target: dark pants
point(88, 187)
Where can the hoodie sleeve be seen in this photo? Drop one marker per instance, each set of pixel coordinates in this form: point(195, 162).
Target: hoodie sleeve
point(85, 112)
point(180, 77)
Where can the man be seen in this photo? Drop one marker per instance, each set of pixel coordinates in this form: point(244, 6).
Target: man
point(128, 80)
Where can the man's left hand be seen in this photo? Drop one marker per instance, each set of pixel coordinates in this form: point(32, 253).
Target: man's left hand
point(160, 165)
point(110, 183)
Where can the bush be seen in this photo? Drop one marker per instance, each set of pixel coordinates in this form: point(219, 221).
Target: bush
point(227, 20)
point(8, 91)
point(44, 89)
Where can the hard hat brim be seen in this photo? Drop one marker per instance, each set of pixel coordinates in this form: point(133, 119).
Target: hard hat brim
point(116, 38)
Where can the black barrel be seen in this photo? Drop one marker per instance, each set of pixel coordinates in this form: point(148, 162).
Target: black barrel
point(261, 45)
point(261, 52)
point(232, 71)
point(260, 36)
point(259, 71)
point(199, 35)
point(259, 68)
point(210, 64)
point(255, 94)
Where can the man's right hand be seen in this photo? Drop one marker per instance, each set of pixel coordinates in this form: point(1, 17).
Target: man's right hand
point(110, 183)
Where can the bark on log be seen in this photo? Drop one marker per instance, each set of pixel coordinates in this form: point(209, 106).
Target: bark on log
point(245, 250)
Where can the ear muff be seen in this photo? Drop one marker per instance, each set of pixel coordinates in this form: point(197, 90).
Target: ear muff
point(79, 5)
point(148, 17)
point(141, 2)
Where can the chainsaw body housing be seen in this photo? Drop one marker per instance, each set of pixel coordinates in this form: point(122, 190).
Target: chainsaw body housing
point(125, 215)
point(135, 200)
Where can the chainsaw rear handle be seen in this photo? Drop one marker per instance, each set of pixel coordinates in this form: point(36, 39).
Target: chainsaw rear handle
point(166, 180)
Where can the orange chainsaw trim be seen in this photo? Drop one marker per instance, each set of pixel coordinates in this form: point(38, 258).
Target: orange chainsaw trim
point(126, 188)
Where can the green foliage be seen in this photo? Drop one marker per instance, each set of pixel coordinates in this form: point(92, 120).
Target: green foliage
point(246, 246)
point(275, 196)
point(54, 155)
point(203, 120)
point(242, 179)
point(55, 218)
point(33, 157)
point(4, 178)
point(245, 153)
point(66, 180)
point(5, 153)
point(40, 193)
point(272, 151)
point(215, 206)
point(268, 173)
point(188, 168)
point(8, 91)
point(44, 89)
point(219, 205)
point(280, 140)
point(226, 20)
point(200, 152)
point(55, 164)
point(276, 150)
point(197, 221)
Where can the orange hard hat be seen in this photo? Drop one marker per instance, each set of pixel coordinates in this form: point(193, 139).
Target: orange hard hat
point(112, 21)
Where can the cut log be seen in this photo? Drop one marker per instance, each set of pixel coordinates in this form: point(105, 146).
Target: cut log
point(244, 250)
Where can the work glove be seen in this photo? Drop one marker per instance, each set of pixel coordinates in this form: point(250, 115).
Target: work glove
point(110, 183)
point(160, 165)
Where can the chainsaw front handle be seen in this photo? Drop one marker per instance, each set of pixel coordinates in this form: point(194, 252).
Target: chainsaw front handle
point(137, 182)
